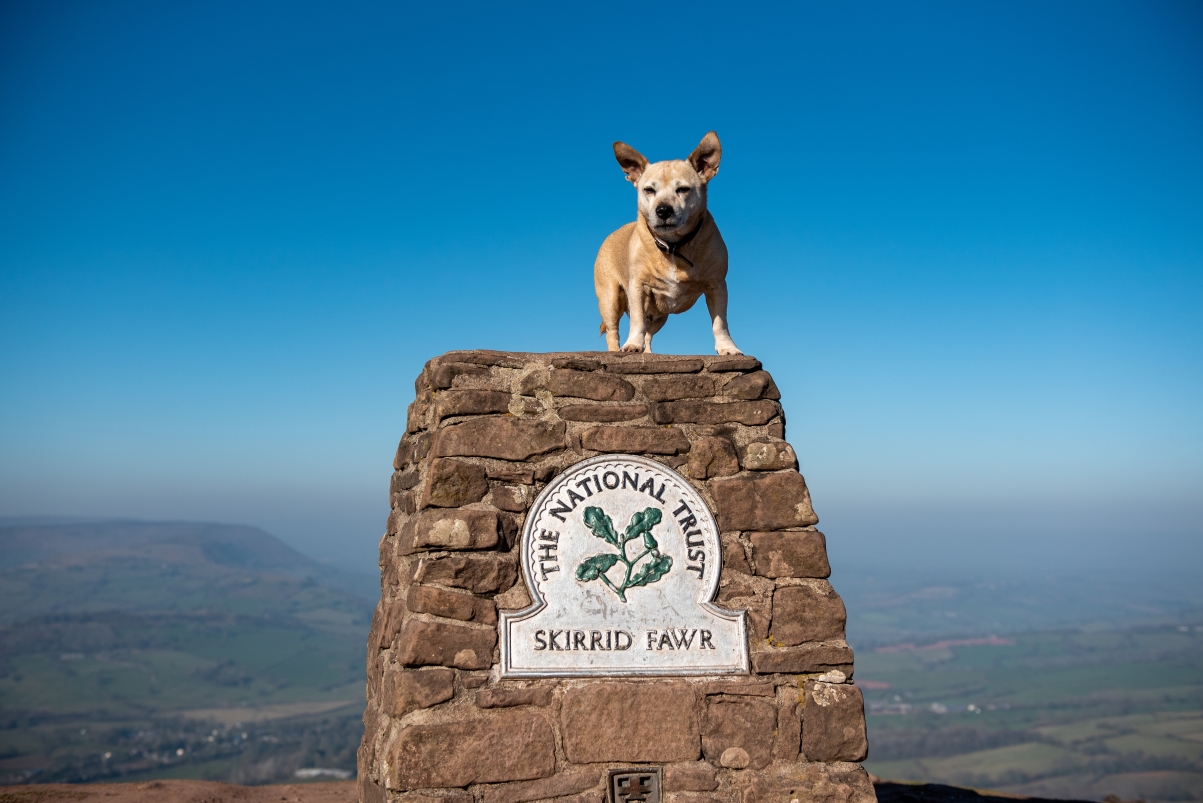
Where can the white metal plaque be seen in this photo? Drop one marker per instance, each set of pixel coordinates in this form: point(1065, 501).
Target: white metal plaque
point(622, 558)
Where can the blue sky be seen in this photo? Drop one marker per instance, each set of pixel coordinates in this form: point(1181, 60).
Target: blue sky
point(966, 238)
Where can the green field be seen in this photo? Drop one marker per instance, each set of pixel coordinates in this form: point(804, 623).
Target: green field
point(1072, 714)
point(243, 700)
point(174, 651)
point(131, 651)
point(223, 664)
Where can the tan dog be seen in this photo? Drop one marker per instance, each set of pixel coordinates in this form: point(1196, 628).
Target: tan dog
point(672, 254)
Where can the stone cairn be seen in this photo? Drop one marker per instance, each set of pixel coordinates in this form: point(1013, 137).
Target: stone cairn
point(485, 434)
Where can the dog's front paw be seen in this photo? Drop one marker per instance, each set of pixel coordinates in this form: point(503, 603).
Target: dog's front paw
point(633, 348)
point(729, 351)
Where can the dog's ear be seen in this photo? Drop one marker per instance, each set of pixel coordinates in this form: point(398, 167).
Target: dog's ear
point(706, 156)
point(631, 161)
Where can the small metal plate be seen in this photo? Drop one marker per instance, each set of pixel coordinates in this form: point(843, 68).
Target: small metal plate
point(635, 786)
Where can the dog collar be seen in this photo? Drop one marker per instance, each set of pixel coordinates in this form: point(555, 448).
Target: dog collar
point(674, 249)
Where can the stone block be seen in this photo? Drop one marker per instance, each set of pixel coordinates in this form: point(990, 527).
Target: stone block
point(392, 615)
point(451, 605)
point(375, 722)
point(712, 457)
point(518, 474)
point(735, 758)
point(756, 385)
point(508, 497)
point(525, 405)
point(418, 797)
point(377, 638)
point(370, 791)
point(807, 613)
point(816, 782)
point(480, 575)
point(515, 599)
point(501, 437)
point(404, 455)
point(644, 364)
point(405, 502)
point(833, 723)
point(763, 502)
point(443, 375)
point(737, 362)
point(471, 402)
point(804, 660)
point(510, 525)
point(546, 471)
point(768, 456)
point(790, 554)
point(402, 481)
point(754, 594)
point(576, 363)
point(742, 688)
point(579, 385)
point(570, 782)
point(602, 413)
point(788, 741)
point(415, 415)
point(635, 440)
point(406, 690)
point(750, 413)
point(444, 644)
point(679, 386)
point(474, 680)
point(640, 722)
point(734, 557)
point(504, 359)
point(746, 724)
point(734, 586)
point(422, 444)
point(503, 697)
point(696, 776)
point(397, 520)
point(452, 528)
point(452, 483)
point(508, 746)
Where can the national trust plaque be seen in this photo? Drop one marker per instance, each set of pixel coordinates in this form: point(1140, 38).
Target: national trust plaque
point(622, 559)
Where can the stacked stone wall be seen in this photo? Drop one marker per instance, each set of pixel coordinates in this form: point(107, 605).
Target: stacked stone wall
point(485, 434)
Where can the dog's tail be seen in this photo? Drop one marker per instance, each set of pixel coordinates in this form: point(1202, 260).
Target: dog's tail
point(601, 330)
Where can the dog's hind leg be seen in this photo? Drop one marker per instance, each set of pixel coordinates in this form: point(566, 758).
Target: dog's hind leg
point(716, 302)
point(653, 325)
point(612, 303)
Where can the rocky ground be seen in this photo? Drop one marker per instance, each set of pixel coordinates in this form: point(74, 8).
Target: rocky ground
point(890, 792)
point(345, 792)
point(181, 792)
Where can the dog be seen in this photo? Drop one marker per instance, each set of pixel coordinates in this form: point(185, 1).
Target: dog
point(672, 253)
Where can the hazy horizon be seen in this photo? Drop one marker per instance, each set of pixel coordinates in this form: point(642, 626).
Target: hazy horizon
point(965, 240)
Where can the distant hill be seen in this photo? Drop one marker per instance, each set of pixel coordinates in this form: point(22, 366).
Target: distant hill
point(120, 637)
point(224, 544)
point(85, 567)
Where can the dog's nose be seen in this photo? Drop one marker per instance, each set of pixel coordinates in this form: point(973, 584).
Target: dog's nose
point(664, 211)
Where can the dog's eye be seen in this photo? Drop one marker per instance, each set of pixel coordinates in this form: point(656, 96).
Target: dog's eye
point(684, 190)
point(650, 190)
